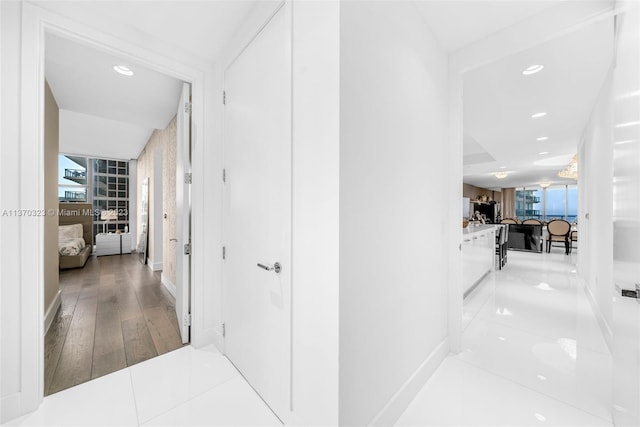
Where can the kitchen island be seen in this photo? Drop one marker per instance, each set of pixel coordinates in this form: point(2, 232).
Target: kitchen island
point(478, 254)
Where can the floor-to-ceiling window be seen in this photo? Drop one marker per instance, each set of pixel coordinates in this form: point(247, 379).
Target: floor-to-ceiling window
point(72, 178)
point(110, 192)
point(554, 202)
point(529, 203)
point(572, 203)
point(103, 183)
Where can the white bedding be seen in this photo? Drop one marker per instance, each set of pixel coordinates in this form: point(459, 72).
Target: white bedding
point(70, 241)
point(71, 246)
point(68, 231)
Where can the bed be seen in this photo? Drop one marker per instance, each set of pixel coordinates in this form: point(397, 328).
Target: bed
point(75, 236)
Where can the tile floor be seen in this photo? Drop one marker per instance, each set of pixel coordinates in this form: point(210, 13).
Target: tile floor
point(185, 387)
point(533, 354)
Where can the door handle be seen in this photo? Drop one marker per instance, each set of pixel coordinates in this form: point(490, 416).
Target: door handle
point(276, 267)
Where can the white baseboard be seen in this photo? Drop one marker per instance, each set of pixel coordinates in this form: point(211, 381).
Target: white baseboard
point(399, 402)
point(154, 266)
point(10, 407)
point(168, 284)
point(607, 333)
point(51, 311)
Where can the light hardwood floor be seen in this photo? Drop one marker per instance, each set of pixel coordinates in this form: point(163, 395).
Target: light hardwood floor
point(115, 313)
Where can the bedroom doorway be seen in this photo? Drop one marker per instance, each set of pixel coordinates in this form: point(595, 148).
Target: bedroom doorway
point(104, 309)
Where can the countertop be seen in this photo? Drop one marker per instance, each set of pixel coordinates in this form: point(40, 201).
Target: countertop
point(473, 229)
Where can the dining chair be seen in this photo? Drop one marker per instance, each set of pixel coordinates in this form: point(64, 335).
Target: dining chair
point(532, 221)
point(573, 237)
point(501, 244)
point(558, 230)
point(508, 221)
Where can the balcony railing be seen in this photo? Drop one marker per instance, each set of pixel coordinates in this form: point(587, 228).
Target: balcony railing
point(75, 173)
point(78, 176)
point(75, 195)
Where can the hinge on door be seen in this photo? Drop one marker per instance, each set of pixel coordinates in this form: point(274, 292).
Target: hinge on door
point(187, 319)
point(224, 175)
point(224, 252)
point(224, 97)
point(187, 249)
point(187, 107)
point(187, 178)
point(224, 330)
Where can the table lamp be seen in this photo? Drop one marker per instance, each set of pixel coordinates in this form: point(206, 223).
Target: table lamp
point(108, 215)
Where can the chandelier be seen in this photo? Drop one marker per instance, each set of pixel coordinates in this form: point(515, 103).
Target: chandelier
point(571, 171)
point(501, 175)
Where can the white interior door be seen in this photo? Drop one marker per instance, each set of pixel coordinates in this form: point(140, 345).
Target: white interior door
point(626, 226)
point(257, 223)
point(183, 213)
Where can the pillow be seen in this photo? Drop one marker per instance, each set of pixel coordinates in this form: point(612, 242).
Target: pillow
point(69, 231)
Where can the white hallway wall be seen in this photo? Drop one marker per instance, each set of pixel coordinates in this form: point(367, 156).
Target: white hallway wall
point(595, 260)
point(393, 133)
point(9, 199)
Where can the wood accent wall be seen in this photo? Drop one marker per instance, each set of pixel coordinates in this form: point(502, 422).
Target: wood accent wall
point(508, 203)
point(473, 192)
point(164, 140)
point(51, 151)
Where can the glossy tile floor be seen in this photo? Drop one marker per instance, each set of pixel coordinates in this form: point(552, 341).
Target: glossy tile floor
point(185, 387)
point(533, 353)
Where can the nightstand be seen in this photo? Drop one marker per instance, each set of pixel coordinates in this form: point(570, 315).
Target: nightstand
point(113, 244)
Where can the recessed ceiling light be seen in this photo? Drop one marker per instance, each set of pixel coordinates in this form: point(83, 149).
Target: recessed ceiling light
point(501, 175)
point(125, 71)
point(532, 69)
point(542, 138)
point(543, 153)
point(536, 115)
point(503, 167)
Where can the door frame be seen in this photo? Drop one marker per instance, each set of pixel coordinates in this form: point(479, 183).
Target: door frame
point(36, 22)
point(532, 32)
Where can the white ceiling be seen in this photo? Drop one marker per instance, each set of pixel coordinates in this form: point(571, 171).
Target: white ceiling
point(201, 28)
point(106, 113)
point(499, 102)
point(458, 23)
point(82, 79)
point(89, 135)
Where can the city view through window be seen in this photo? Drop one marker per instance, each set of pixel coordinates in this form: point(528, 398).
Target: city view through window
point(103, 183)
point(555, 202)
